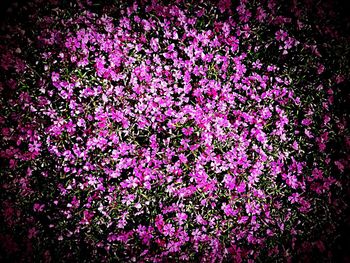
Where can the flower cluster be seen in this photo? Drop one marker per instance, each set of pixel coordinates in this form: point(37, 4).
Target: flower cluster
point(152, 131)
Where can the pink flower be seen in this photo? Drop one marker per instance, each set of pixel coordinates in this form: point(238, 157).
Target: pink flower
point(306, 122)
point(34, 147)
point(230, 182)
point(241, 187)
point(187, 131)
point(281, 35)
point(294, 198)
point(168, 230)
point(38, 207)
point(181, 217)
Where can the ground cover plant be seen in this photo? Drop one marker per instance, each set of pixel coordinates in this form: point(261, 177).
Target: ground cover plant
point(173, 131)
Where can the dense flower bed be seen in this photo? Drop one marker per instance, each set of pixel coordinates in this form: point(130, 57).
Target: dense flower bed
point(151, 131)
